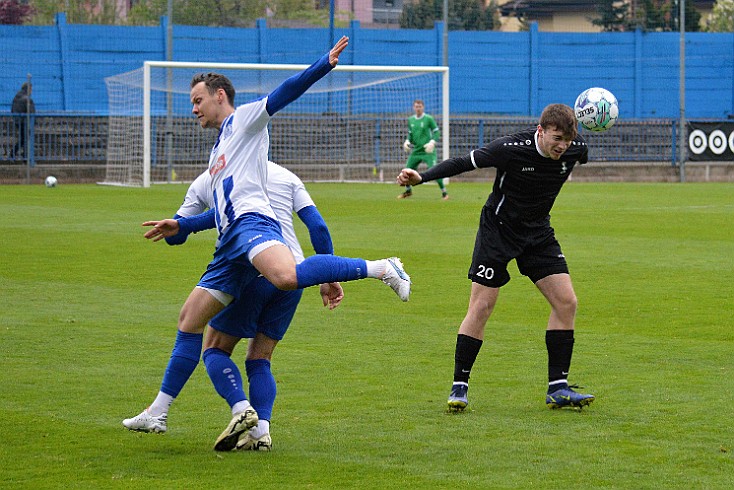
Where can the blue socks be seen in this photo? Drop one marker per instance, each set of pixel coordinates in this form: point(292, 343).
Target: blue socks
point(223, 372)
point(183, 362)
point(225, 376)
point(262, 387)
point(228, 381)
point(319, 269)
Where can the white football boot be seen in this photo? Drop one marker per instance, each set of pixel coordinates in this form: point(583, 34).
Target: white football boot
point(396, 277)
point(241, 422)
point(249, 443)
point(145, 422)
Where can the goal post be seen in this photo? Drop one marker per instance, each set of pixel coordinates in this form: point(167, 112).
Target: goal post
point(349, 126)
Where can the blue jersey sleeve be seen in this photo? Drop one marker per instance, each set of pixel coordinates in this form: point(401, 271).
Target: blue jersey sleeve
point(317, 229)
point(179, 238)
point(197, 223)
point(295, 86)
point(192, 224)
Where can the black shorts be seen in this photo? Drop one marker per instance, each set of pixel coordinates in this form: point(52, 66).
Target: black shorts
point(536, 251)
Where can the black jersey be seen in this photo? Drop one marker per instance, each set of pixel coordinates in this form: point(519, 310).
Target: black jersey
point(527, 183)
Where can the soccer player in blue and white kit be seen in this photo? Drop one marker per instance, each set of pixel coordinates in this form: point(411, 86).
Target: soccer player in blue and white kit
point(250, 240)
point(262, 314)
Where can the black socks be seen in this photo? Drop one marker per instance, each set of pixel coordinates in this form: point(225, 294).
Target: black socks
point(560, 348)
point(467, 349)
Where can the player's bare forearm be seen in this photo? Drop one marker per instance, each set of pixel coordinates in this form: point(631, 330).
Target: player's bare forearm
point(161, 229)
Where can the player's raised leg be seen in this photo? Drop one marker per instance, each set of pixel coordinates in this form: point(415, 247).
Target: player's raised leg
point(277, 265)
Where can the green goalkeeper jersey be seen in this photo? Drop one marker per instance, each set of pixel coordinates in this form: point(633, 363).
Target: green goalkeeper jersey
point(422, 130)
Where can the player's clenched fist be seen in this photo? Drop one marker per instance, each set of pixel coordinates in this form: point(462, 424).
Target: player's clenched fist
point(408, 176)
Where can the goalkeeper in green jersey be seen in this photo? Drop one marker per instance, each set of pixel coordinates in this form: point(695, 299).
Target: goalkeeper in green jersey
point(423, 133)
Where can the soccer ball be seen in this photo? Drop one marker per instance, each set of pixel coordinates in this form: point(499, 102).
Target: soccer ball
point(596, 109)
point(51, 181)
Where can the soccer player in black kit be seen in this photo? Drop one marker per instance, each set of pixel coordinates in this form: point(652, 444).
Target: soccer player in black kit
point(532, 166)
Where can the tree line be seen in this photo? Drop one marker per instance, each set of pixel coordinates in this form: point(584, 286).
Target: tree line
point(468, 15)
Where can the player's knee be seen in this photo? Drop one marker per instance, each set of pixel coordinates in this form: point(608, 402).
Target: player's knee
point(567, 304)
point(285, 280)
point(258, 354)
point(190, 322)
point(480, 310)
point(261, 347)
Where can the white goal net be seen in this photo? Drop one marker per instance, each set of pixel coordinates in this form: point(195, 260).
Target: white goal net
point(349, 126)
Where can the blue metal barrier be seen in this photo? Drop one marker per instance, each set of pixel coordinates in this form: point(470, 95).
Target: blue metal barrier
point(55, 138)
point(82, 139)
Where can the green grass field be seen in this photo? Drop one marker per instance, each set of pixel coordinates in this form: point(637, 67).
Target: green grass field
point(89, 311)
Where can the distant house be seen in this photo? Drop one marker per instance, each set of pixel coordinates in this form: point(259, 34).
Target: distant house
point(551, 15)
point(568, 15)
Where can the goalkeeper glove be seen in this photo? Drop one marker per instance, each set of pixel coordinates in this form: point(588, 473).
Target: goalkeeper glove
point(430, 146)
point(406, 146)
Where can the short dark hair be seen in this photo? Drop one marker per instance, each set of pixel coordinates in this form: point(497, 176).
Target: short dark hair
point(562, 118)
point(213, 82)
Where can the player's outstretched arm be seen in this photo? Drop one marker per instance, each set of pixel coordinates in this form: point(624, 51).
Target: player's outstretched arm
point(179, 227)
point(447, 168)
point(295, 86)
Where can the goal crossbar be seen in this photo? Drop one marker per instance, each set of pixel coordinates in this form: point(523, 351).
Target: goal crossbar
point(351, 122)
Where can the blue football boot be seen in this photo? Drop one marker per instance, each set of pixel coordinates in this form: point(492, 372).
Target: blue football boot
point(567, 397)
point(458, 399)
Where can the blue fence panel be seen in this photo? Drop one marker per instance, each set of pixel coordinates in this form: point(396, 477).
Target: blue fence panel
point(34, 50)
point(491, 72)
point(660, 75)
point(96, 52)
point(298, 46)
point(709, 91)
point(396, 47)
point(568, 67)
point(214, 44)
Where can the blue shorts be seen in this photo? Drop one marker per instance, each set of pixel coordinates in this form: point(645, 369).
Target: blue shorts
point(230, 271)
point(245, 233)
point(261, 307)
